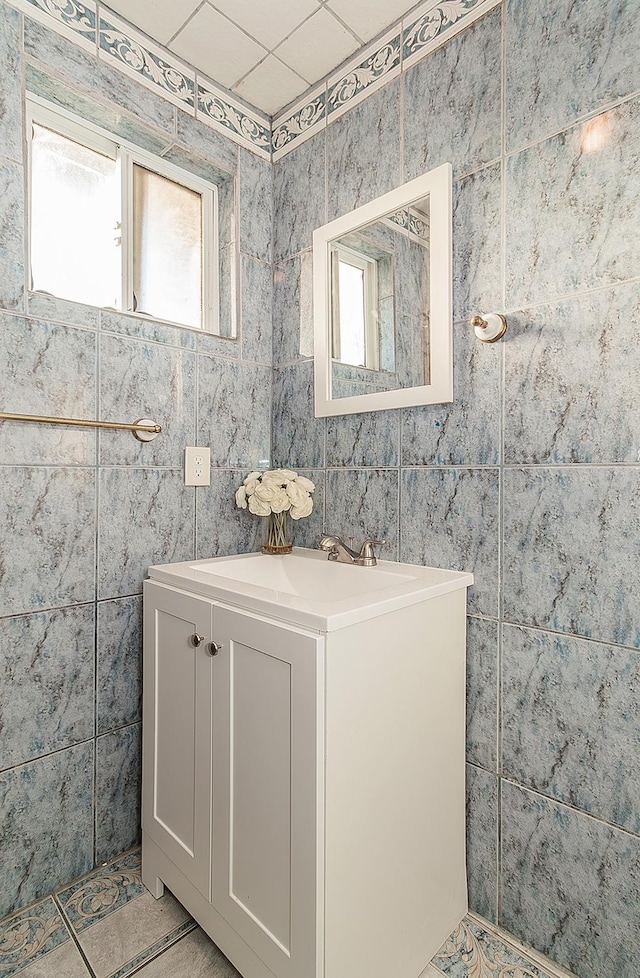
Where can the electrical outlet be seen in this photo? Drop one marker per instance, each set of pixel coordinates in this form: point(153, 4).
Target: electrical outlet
point(197, 466)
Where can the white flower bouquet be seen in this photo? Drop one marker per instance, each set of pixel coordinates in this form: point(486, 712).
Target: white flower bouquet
point(277, 491)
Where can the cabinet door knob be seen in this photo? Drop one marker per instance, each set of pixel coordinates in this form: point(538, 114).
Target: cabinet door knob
point(197, 639)
point(213, 649)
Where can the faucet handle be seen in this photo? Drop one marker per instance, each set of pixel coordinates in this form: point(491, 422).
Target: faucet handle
point(367, 555)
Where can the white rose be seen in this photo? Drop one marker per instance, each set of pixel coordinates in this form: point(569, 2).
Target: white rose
point(258, 507)
point(306, 483)
point(280, 502)
point(296, 493)
point(298, 512)
point(279, 475)
point(266, 491)
point(252, 477)
point(241, 497)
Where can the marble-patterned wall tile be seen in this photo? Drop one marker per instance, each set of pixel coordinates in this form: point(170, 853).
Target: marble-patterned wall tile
point(218, 346)
point(10, 84)
point(363, 152)
point(12, 242)
point(572, 374)
point(564, 60)
point(119, 663)
point(97, 78)
point(467, 430)
point(452, 110)
point(234, 411)
point(46, 825)
point(109, 116)
point(574, 195)
point(299, 197)
point(146, 380)
point(48, 369)
point(118, 787)
point(256, 292)
point(256, 205)
point(569, 884)
point(146, 516)
point(51, 512)
point(205, 141)
point(228, 291)
point(142, 328)
point(477, 244)
point(571, 722)
point(363, 503)
point(41, 305)
point(298, 436)
point(293, 309)
point(46, 696)
point(371, 438)
point(482, 692)
point(571, 553)
point(221, 527)
point(482, 842)
point(450, 518)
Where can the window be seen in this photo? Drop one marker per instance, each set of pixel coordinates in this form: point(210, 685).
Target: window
point(114, 226)
point(355, 312)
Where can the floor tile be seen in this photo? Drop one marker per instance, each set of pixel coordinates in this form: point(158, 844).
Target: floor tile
point(472, 950)
point(63, 962)
point(33, 933)
point(101, 893)
point(195, 956)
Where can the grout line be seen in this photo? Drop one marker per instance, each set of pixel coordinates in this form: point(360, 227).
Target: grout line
point(72, 934)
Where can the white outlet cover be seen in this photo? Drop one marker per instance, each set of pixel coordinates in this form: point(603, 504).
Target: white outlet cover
point(197, 466)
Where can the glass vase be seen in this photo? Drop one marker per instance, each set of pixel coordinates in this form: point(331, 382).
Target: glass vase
point(278, 540)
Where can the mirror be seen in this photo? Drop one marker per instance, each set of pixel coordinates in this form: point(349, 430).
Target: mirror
point(382, 301)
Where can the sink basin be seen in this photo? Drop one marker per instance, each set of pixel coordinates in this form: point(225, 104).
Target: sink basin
point(318, 580)
point(306, 588)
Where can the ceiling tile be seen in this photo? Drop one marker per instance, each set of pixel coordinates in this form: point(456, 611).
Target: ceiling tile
point(270, 21)
point(368, 17)
point(271, 86)
point(317, 46)
point(217, 47)
point(159, 19)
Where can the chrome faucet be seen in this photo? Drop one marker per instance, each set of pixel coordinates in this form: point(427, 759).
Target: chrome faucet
point(338, 550)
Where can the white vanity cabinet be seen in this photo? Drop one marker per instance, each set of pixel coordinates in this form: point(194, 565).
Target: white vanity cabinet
point(303, 789)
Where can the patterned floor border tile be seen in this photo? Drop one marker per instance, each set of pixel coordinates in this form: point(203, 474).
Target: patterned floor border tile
point(102, 892)
point(478, 949)
point(29, 934)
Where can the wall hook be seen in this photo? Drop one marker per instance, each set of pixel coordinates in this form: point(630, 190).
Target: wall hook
point(490, 327)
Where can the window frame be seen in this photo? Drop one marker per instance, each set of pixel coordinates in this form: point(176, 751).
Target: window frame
point(41, 112)
point(369, 267)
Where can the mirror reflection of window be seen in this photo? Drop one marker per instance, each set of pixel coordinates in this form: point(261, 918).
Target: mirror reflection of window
point(355, 308)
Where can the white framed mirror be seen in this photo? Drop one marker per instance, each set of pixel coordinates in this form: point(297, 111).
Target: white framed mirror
point(382, 304)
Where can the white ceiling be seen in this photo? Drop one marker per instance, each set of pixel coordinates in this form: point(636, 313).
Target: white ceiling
point(266, 51)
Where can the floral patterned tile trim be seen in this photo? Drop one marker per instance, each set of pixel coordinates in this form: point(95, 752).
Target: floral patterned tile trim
point(102, 892)
point(29, 934)
point(472, 951)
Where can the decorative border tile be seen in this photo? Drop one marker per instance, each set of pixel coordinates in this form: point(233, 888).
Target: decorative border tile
point(437, 23)
point(232, 119)
point(477, 951)
point(365, 74)
point(162, 944)
point(103, 892)
point(138, 57)
point(29, 934)
point(300, 122)
point(74, 20)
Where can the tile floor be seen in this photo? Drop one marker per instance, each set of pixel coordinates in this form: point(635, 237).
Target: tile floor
point(107, 925)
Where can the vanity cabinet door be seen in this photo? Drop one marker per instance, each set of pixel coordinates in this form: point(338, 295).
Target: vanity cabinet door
point(177, 729)
point(267, 750)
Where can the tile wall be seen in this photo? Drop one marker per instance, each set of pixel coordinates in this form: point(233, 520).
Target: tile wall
point(531, 478)
point(82, 515)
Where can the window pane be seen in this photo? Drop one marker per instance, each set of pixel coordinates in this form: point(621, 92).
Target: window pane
point(167, 243)
point(74, 194)
point(352, 314)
